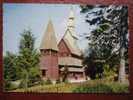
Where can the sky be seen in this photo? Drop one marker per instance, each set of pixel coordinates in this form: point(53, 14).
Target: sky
point(17, 17)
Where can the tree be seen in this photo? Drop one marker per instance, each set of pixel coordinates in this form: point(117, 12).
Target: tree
point(91, 69)
point(10, 70)
point(109, 38)
point(9, 67)
point(28, 60)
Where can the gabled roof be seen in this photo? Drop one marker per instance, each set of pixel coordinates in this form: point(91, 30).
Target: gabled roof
point(73, 50)
point(49, 38)
point(70, 35)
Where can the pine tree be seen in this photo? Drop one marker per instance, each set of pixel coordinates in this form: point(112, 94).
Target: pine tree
point(9, 66)
point(28, 60)
point(10, 70)
point(109, 38)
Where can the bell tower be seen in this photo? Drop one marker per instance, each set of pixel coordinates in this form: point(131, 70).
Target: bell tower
point(70, 34)
point(49, 54)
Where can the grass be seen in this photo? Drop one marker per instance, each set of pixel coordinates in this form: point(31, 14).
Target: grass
point(92, 86)
point(111, 87)
point(57, 88)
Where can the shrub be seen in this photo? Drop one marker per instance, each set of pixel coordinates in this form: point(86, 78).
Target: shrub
point(103, 88)
point(66, 81)
point(48, 81)
point(42, 82)
point(109, 73)
point(100, 88)
point(34, 75)
point(119, 88)
point(9, 86)
point(23, 84)
point(58, 81)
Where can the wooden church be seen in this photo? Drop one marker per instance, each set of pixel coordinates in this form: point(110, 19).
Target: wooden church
point(55, 57)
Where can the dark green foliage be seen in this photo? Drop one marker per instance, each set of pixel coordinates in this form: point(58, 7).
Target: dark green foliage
point(34, 75)
point(10, 67)
point(58, 81)
point(86, 8)
point(28, 60)
point(24, 66)
point(24, 79)
point(109, 73)
point(10, 71)
point(104, 26)
point(94, 69)
point(27, 40)
point(42, 82)
point(7, 85)
point(109, 37)
point(48, 81)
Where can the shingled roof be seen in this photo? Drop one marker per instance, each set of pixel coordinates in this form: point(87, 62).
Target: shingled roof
point(75, 51)
point(49, 38)
point(70, 61)
point(71, 69)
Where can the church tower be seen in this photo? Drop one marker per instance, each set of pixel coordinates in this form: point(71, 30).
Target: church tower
point(70, 34)
point(69, 53)
point(49, 54)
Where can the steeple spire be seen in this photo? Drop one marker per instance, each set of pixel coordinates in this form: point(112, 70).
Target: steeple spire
point(71, 20)
point(49, 39)
point(70, 34)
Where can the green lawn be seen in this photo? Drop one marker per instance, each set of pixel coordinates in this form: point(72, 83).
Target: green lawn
point(62, 87)
point(93, 86)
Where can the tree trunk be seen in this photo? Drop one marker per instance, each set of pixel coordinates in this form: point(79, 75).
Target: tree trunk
point(122, 74)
